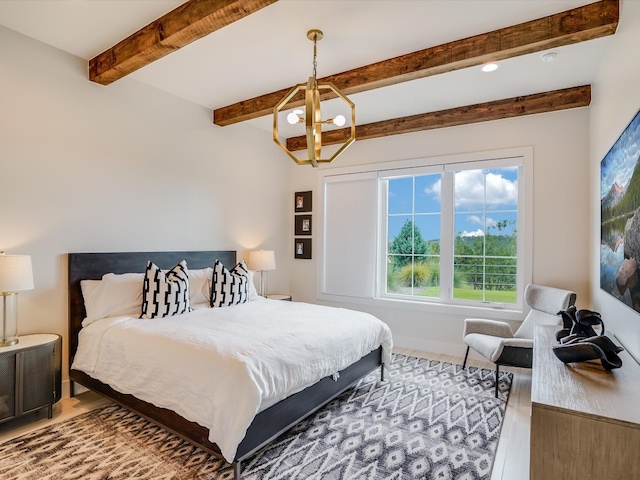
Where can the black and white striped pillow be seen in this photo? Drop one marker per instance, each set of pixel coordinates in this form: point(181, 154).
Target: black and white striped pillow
point(229, 287)
point(164, 295)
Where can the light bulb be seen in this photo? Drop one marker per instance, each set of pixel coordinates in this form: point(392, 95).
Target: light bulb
point(339, 120)
point(293, 118)
point(489, 67)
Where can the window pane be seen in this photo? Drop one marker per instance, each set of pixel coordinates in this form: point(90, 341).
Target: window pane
point(501, 188)
point(501, 239)
point(468, 277)
point(469, 230)
point(485, 225)
point(469, 191)
point(400, 234)
point(400, 195)
point(400, 274)
point(427, 276)
point(427, 194)
point(501, 279)
point(428, 227)
point(413, 244)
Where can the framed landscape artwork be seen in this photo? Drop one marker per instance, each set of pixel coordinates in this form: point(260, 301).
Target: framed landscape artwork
point(620, 217)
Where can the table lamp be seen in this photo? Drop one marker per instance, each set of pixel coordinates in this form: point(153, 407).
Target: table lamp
point(262, 261)
point(16, 275)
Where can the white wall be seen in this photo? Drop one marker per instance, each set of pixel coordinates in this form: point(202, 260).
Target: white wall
point(122, 168)
point(615, 101)
point(561, 221)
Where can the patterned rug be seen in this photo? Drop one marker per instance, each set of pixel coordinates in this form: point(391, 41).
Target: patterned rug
point(428, 420)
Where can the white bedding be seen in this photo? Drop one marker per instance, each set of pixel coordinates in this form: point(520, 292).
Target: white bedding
point(219, 367)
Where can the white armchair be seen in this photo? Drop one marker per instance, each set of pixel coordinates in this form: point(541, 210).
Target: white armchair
point(496, 341)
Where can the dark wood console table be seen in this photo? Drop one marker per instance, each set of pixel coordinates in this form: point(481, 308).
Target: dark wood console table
point(585, 421)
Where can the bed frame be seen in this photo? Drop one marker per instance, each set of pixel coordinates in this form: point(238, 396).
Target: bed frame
point(266, 426)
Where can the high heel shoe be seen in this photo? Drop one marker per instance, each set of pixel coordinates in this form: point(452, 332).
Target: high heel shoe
point(586, 320)
point(598, 347)
point(611, 359)
point(568, 320)
point(582, 326)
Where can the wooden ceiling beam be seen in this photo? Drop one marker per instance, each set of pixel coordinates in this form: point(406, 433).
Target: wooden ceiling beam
point(482, 112)
point(190, 21)
point(580, 24)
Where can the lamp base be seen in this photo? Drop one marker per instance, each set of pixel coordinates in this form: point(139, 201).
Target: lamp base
point(7, 342)
point(9, 333)
point(263, 284)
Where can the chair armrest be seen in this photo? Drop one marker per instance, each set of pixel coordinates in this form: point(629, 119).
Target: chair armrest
point(518, 342)
point(493, 328)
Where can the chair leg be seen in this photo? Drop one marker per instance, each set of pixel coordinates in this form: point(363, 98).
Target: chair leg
point(497, 376)
point(464, 364)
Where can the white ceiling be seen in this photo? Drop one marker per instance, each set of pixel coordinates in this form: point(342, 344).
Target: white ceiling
point(268, 50)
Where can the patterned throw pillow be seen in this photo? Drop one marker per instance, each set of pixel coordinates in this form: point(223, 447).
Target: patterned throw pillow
point(164, 295)
point(229, 287)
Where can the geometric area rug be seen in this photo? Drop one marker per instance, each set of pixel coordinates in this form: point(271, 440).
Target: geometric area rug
point(428, 420)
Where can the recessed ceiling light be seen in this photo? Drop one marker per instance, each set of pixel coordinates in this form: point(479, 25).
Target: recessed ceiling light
point(489, 67)
point(548, 57)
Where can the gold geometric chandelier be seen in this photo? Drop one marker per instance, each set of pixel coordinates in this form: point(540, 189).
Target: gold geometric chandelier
point(311, 116)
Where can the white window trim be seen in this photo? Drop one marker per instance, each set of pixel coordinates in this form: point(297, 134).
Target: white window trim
point(525, 241)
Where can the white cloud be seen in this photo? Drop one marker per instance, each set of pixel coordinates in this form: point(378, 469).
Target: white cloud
point(477, 233)
point(435, 189)
point(470, 189)
point(478, 221)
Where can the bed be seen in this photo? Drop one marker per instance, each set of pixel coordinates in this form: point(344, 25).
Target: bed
point(275, 416)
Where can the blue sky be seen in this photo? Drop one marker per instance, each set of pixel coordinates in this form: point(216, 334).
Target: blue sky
point(482, 198)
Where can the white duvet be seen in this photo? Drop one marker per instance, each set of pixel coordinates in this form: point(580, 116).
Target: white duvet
point(219, 367)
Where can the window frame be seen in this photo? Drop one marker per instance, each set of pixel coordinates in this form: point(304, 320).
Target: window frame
point(490, 159)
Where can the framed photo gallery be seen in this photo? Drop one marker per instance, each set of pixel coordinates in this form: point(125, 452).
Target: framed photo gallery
point(303, 224)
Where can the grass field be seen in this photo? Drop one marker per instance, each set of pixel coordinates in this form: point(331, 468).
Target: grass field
point(463, 293)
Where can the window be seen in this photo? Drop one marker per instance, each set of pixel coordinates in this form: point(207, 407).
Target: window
point(485, 255)
point(413, 235)
point(449, 233)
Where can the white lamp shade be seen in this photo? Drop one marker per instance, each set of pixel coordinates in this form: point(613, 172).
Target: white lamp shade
point(262, 260)
point(16, 273)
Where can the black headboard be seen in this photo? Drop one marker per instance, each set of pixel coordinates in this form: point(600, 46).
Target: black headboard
point(91, 266)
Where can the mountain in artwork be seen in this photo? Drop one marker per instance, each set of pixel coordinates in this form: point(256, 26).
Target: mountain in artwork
point(613, 196)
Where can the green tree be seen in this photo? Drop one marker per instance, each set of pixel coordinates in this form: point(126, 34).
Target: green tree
point(487, 261)
point(408, 242)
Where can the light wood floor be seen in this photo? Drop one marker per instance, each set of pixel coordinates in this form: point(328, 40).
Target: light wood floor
point(512, 457)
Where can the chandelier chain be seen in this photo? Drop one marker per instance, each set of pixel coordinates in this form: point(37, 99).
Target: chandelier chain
point(315, 52)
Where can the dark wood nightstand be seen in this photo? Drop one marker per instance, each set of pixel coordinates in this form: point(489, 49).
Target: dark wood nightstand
point(280, 297)
point(30, 375)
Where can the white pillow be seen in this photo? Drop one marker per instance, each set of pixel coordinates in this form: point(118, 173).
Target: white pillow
point(112, 296)
point(253, 293)
point(200, 286)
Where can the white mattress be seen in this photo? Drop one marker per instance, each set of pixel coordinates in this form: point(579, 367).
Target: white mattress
point(219, 367)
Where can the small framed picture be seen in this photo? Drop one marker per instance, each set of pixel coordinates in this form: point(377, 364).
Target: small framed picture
point(302, 248)
point(302, 201)
point(303, 225)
